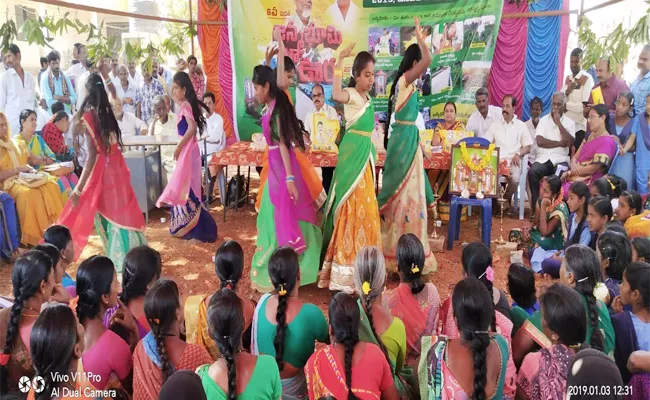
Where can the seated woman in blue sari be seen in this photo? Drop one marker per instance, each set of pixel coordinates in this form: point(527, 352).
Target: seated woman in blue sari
point(9, 237)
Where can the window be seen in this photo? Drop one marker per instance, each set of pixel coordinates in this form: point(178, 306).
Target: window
point(22, 15)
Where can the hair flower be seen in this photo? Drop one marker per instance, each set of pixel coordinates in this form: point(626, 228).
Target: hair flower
point(282, 291)
point(4, 359)
point(365, 288)
point(415, 269)
point(73, 305)
point(489, 274)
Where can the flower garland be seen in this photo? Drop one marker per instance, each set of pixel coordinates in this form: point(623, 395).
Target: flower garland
point(485, 160)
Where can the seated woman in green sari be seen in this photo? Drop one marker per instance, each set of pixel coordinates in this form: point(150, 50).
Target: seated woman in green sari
point(378, 326)
point(551, 217)
point(581, 271)
point(37, 147)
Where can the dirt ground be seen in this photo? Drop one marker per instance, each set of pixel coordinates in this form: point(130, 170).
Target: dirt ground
point(190, 263)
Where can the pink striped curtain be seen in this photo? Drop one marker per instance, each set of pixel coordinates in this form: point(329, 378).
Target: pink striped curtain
point(507, 72)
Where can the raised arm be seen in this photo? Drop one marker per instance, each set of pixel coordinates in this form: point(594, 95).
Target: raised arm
point(282, 81)
point(338, 94)
point(414, 73)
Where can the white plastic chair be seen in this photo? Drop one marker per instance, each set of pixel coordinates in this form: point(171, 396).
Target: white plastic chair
point(520, 194)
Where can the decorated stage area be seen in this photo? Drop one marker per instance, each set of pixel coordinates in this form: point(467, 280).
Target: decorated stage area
point(190, 264)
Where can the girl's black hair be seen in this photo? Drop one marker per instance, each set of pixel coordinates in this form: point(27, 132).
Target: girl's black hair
point(289, 65)
point(555, 184)
point(603, 206)
point(617, 249)
point(52, 343)
point(59, 116)
point(160, 305)
point(620, 184)
point(51, 251)
point(24, 114)
point(564, 314)
point(633, 199)
point(583, 263)
point(226, 325)
point(603, 186)
point(291, 129)
point(94, 280)
point(283, 270)
point(616, 226)
point(642, 247)
point(58, 235)
point(630, 98)
point(602, 111)
point(141, 266)
point(637, 275)
point(473, 310)
point(229, 264)
point(362, 59)
point(412, 55)
point(581, 190)
point(476, 259)
point(410, 254)
point(183, 80)
point(344, 318)
point(29, 271)
point(521, 285)
point(103, 123)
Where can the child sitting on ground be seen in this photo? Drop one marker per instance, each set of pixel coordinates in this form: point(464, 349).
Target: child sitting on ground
point(59, 236)
point(521, 285)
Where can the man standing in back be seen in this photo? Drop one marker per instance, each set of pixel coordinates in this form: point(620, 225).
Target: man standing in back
point(17, 89)
point(641, 85)
point(512, 138)
point(610, 85)
point(577, 88)
point(55, 86)
point(484, 115)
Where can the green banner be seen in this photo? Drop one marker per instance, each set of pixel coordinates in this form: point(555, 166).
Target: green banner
point(461, 35)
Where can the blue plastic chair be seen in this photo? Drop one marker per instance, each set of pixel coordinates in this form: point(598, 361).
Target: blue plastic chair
point(456, 203)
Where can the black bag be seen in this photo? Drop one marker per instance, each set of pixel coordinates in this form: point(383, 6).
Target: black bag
point(236, 182)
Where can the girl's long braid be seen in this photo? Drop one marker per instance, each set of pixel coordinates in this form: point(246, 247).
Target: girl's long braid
point(597, 340)
point(228, 353)
point(166, 366)
point(349, 344)
point(281, 321)
point(479, 343)
point(12, 331)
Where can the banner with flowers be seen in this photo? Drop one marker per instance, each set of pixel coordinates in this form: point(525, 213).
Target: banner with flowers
point(461, 35)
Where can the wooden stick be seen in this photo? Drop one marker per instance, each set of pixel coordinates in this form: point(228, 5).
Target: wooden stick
point(189, 4)
point(553, 13)
point(81, 7)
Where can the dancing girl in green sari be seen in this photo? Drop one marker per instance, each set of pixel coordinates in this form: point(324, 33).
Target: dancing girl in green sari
point(406, 193)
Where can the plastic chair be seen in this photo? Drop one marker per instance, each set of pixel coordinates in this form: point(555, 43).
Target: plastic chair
point(456, 203)
point(520, 195)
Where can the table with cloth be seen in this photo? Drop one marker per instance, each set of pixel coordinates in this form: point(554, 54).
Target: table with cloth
point(241, 154)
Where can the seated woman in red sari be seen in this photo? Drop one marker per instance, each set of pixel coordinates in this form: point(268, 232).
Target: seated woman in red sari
point(33, 281)
point(53, 134)
point(543, 374)
point(595, 154)
point(142, 269)
point(414, 302)
point(348, 364)
point(103, 197)
point(162, 351)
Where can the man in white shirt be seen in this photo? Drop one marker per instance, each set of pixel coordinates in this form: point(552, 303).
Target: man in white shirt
point(481, 119)
point(536, 106)
point(320, 107)
point(554, 136)
point(511, 136)
point(343, 12)
point(127, 90)
point(134, 74)
point(17, 89)
point(577, 88)
point(302, 17)
point(216, 141)
point(164, 125)
point(129, 124)
point(80, 53)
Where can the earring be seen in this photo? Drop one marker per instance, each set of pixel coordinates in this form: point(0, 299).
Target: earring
point(554, 337)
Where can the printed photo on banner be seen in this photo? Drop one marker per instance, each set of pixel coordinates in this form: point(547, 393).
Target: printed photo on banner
point(384, 42)
point(476, 74)
point(407, 37)
point(448, 37)
point(383, 83)
point(479, 32)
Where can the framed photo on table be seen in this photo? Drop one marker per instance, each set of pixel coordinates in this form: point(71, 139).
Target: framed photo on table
point(474, 169)
point(325, 132)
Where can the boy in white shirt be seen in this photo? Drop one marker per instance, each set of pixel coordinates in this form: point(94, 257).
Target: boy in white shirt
point(216, 141)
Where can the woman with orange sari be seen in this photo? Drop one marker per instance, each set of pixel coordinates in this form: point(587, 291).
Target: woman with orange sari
point(286, 70)
point(162, 351)
point(32, 278)
point(228, 265)
point(440, 178)
point(415, 302)
point(103, 198)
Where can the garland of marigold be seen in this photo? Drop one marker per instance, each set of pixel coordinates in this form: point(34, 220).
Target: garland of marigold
point(485, 160)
